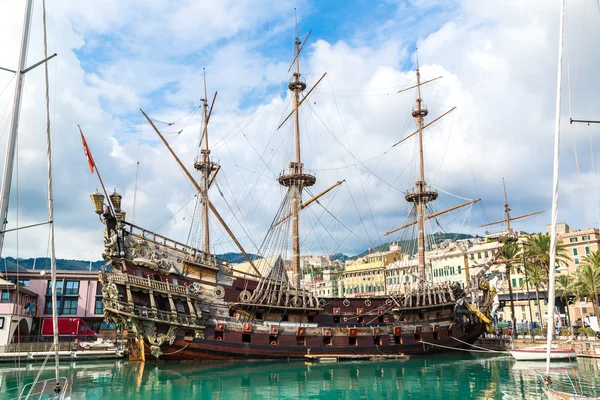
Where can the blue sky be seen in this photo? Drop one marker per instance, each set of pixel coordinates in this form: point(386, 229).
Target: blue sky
point(498, 60)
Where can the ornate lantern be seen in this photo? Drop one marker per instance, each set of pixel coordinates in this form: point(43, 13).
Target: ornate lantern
point(98, 201)
point(115, 199)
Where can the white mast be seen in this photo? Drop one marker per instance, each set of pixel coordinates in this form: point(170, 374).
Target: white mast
point(51, 207)
point(14, 125)
point(551, 267)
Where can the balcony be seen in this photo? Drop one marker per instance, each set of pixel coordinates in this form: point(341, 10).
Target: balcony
point(147, 283)
point(147, 313)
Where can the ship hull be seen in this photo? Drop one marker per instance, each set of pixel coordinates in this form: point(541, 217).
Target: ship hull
point(203, 349)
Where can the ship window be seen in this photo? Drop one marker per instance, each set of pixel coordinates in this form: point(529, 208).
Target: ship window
point(352, 341)
point(398, 339)
point(232, 312)
point(258, 315)
point(326, 340)
point(274, 339)
point(139, 273)
point(377, 340)
point(284, 318)
point(218, 335)
point(311, 318)
point(246, 337)
point(156, 277)
point(336, 320)
point(359, 320)
point(179, 307)
point(436, 336)
point(300, 340)
point(417, 337)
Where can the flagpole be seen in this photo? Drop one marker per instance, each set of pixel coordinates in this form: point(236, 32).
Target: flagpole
point(95, 168)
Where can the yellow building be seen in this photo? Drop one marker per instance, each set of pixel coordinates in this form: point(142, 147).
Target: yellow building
point(366, 277)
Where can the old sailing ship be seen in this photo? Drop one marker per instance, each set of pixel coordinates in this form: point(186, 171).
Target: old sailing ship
point(183, 302)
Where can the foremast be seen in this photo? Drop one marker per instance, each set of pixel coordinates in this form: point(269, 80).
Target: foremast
point(422, 195)
point(295, 178)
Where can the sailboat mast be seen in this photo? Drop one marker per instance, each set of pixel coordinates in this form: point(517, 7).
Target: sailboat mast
point(9, 159)
point(51, 206)
point(554, 217)
point(206, 172)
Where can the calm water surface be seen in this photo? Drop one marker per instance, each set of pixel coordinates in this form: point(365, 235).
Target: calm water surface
point(434, 377)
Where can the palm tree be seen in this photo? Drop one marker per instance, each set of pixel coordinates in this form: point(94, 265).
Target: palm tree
point(565, 283)
point(588, 278)
point(509, 252)
point(537, 249)
point(536, 276)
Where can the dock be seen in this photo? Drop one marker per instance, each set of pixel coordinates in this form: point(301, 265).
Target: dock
point(78, 355)
point(333, 358)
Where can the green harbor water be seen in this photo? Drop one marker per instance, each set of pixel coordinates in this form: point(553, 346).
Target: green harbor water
point(433, 377)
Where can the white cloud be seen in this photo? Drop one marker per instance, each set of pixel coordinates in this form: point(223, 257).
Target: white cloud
point(499, 65)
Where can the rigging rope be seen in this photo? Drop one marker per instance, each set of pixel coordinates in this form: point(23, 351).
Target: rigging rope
point(571, 117)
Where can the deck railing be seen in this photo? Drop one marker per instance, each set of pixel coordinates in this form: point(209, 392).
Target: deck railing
point(155, 314)
point(146, 283)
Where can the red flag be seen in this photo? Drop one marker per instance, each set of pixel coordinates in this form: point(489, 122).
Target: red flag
point(88, 154)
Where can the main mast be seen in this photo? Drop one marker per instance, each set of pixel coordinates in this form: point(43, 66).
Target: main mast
point(295, 178)
point(421, 196)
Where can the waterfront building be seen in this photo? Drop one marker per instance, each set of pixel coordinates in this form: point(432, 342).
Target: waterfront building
point(26, 299)
point(366, 276)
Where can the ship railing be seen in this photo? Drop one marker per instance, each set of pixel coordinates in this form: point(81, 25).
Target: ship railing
point(155, 314)
point(146, 282)
point(197, 254)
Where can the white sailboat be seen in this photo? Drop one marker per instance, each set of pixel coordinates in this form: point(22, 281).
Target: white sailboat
point(549, 391)
point(56, 388)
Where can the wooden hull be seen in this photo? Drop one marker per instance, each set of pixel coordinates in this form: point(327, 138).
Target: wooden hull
point(203, 349)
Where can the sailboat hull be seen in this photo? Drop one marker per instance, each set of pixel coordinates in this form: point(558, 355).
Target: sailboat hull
point(539, 354)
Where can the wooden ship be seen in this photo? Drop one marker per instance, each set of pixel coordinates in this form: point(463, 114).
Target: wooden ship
point(180, 302)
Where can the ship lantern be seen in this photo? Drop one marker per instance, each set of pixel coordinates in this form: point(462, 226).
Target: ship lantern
point(115, 199)
point(98, 201)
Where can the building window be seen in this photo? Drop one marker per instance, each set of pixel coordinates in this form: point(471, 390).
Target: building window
point(48, 307)
point(577, 261)
point(587, 237)
point(574, 252)
point(99, 307)
point(59, 287)
point(459, 269)
point(1, 322)
point(5, 298)
point(99, 289)
point(584, 310)
point(72, 287)
point(587, 250)
point(70, 307)
point(573, 239)
point(514, 282)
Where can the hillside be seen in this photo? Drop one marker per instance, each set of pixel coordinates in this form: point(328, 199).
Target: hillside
point(409, 246)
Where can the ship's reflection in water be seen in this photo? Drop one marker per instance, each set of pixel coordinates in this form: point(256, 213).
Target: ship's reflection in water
point(442, 377)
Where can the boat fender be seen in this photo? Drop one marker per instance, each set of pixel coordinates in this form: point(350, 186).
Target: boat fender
point(367, 302)
point(347, 302)
point(345, 319)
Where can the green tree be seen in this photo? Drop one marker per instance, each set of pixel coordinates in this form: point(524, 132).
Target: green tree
point(537, 250)
point(566, 284)
point(537, 277)
point(588, 279)
point(509, 253)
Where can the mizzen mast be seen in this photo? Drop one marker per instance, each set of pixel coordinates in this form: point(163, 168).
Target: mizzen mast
point(206, 166)
point(295, 178)
point(421, 196)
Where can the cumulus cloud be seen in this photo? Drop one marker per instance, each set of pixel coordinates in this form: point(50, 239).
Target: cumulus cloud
point(498, 62)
